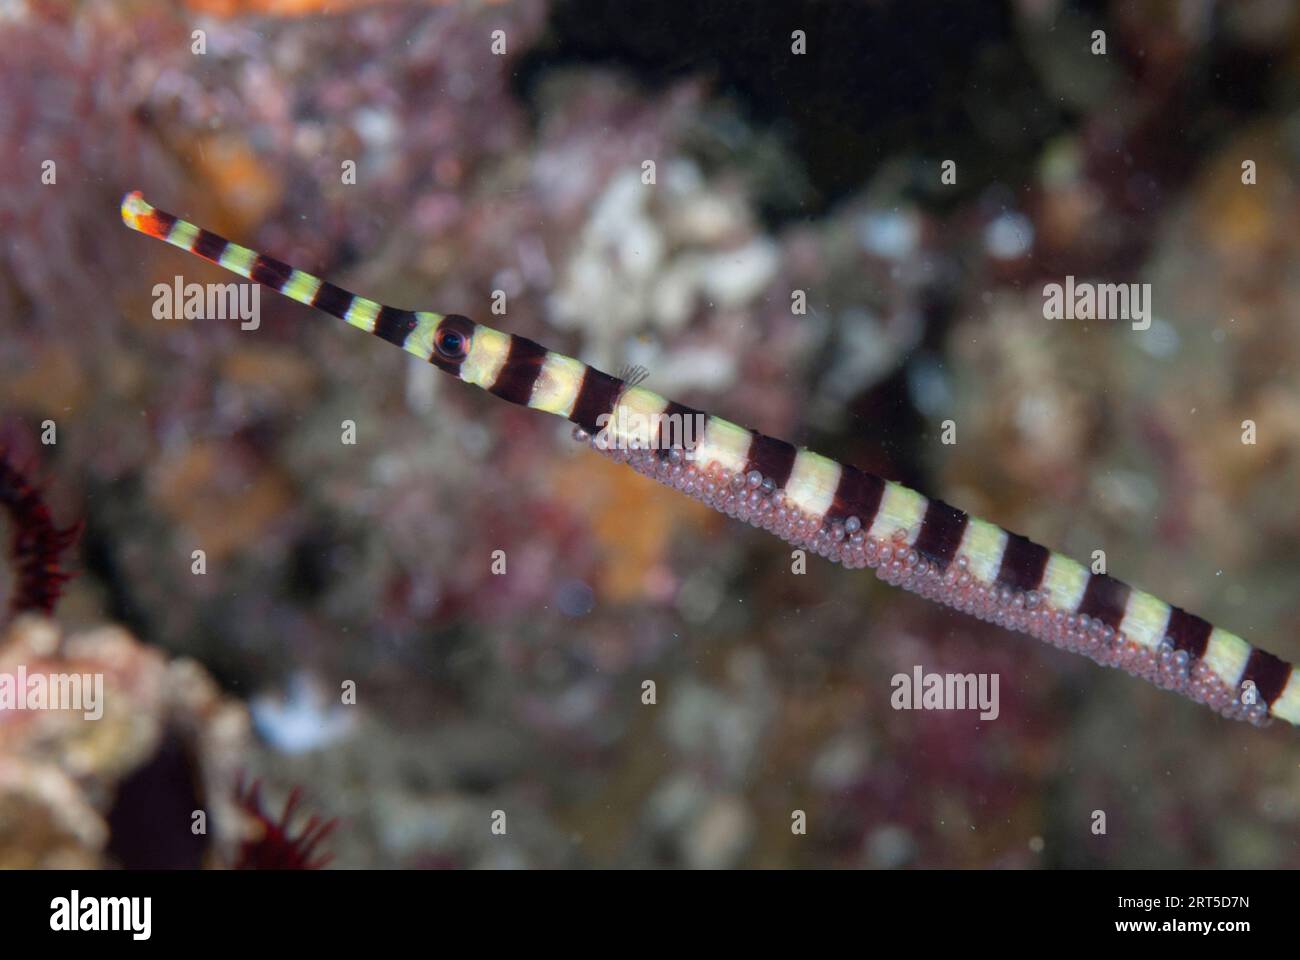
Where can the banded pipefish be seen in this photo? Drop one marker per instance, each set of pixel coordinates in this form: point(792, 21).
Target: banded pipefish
point(832, 509)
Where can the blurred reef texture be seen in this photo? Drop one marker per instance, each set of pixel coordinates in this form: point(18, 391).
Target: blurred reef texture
point(521, 172)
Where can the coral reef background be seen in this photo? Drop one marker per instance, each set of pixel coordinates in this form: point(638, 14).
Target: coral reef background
point(521, 172)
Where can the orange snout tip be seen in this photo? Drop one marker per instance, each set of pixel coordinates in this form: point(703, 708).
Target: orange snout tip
point(134, 208)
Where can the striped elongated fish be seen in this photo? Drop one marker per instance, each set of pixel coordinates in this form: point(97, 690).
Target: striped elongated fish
point(835, 510)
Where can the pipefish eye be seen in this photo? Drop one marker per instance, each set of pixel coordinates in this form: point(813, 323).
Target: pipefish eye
point(450, 342)
point(453, 337)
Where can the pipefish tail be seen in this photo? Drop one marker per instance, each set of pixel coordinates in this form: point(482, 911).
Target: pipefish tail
point(834, 510)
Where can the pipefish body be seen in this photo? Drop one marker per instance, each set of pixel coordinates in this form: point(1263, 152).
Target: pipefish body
point(835, 510)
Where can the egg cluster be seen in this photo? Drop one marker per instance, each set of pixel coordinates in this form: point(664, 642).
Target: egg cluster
point(755, 499)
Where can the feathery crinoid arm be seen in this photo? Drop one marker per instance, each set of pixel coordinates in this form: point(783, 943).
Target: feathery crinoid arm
point(835, 510)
